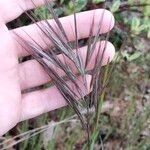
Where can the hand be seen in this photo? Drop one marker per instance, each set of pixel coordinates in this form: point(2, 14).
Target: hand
point(15, 77)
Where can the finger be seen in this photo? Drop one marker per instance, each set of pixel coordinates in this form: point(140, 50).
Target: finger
point(11, 9)
point(38, 102)
point(84, 23)
point(32, 73)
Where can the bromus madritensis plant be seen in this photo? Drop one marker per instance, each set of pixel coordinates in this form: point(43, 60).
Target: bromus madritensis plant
point(76, 72)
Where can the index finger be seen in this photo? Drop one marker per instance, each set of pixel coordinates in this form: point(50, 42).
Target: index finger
point(11, 9)
point(84, 22)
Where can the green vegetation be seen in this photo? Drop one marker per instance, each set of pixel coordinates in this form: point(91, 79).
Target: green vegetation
point(126, 125)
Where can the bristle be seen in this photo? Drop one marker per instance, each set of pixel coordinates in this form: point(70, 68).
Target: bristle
point(50, 59)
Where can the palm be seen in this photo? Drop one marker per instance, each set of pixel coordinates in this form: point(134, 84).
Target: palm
point(10, 95)
point(15, 77)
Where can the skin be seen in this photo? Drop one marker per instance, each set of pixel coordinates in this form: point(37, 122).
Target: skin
point(15, 77)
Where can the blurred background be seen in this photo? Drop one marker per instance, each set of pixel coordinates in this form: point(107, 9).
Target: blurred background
point(125, 124)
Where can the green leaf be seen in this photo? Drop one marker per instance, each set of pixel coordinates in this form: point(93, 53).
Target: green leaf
point(115, 6)
point(135, 23)
point(142, 27)
point(79, 5)
point(126, 55)
point(147, 11)
point(97, 1)
point(130, 2)
point(131, 57)
point(148, 33)
point(61, 1)
point(135, 56)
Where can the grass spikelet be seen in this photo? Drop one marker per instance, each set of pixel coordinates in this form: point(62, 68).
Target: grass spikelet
point(67, 58)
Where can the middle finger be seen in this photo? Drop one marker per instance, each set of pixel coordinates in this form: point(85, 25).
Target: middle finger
point(32, 73)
